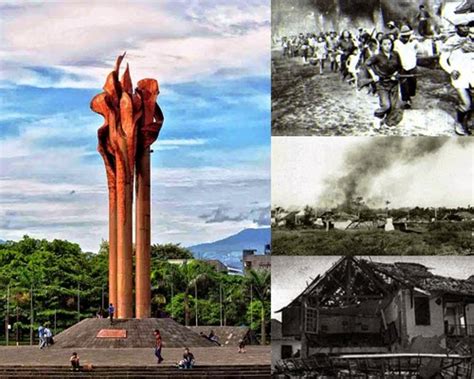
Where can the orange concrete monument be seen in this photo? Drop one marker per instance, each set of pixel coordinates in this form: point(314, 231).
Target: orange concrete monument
point(132, 122)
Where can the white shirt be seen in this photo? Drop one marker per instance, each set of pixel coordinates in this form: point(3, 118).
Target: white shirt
point(407, 53)
point(462, 62)
point(47, 332)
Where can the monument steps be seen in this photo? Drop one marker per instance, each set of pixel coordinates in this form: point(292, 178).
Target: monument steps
point(237, 371)
point(228, 335)
point(139, 334)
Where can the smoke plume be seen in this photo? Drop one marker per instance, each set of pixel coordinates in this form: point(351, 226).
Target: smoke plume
point(292, 17)
point(368, 161)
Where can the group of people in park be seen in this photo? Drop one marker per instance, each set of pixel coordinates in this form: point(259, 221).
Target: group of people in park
point(187, 362)
point(387, 61)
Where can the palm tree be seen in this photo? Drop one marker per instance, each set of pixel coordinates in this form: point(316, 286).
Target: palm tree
point(260, 281)
point(168, 277)
point(193, 274)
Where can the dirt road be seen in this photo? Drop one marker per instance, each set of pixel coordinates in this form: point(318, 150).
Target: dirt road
point(306, 103)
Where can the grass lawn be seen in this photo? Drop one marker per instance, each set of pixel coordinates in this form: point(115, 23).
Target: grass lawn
point(439, 239)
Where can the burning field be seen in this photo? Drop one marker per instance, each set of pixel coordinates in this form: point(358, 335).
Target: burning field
point(378, 196)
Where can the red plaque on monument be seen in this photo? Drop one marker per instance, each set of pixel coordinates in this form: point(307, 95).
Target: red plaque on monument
point(112, 333)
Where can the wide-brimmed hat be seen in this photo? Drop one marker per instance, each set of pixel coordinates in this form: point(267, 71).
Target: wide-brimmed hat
point(406, 31)
point(391, 23)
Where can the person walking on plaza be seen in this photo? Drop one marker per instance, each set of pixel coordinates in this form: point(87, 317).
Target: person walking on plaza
point(158, 346)
point(111, 313)
point(42, 340)
point(48, 335)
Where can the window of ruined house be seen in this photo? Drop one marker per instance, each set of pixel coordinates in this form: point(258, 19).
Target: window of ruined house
point(311, 320)
point(422, 311)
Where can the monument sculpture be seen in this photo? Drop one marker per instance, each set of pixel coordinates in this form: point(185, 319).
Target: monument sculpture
point(132, 122)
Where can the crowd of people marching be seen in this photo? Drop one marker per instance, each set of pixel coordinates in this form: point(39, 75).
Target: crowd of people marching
point(386, 61)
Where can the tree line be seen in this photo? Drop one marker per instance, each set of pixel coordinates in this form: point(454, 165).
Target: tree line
point(56, 282)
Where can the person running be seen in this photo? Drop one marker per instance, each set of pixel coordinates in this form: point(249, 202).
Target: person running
point(158, 346)
point(320, 53)
point(42, 339)
point(332, 42)
point(346, 46)
point(392, 31)
point(384, 68)
point(378, 37)
point(353, 66)
point(458, 61)
point(111, 313)
point(406, 47)
point(423, 22)
point(188, 360)
point(75, 363)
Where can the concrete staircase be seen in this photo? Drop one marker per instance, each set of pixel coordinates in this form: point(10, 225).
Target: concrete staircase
point(231, 372)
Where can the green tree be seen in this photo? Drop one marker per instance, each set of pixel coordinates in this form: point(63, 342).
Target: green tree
point(260, 281)
point(309, 215)
point(194, 273)
point(170, 251)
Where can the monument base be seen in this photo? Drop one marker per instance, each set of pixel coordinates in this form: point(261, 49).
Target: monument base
point(128, 333)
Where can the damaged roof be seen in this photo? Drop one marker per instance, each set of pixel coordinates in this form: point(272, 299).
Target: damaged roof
point(417, 275)
point(370, 278)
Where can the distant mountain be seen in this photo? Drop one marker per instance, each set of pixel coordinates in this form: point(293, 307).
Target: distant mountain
point(229, 250)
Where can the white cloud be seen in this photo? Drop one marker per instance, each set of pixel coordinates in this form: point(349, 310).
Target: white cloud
point(183, 142)
point(80, 40)
point(48, 191)
point(49, 185)
point(74, 205)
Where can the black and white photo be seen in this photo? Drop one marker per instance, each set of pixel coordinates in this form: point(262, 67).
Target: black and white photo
point(372, 196)
point(376, 67)
point(373, 317)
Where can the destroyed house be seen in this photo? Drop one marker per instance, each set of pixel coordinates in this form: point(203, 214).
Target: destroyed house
point(360, 306)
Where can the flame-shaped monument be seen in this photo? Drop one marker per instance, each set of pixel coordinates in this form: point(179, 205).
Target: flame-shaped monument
point(132, 122)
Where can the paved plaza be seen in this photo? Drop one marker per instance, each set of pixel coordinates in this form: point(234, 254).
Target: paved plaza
point(205, 356)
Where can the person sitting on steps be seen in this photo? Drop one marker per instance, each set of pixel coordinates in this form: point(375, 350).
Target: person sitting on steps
point(188, 360)
point(75, 364)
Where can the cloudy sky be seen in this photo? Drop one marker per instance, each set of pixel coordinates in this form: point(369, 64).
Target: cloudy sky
point(211, 164)
point(415, 171)
point(291, 275)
